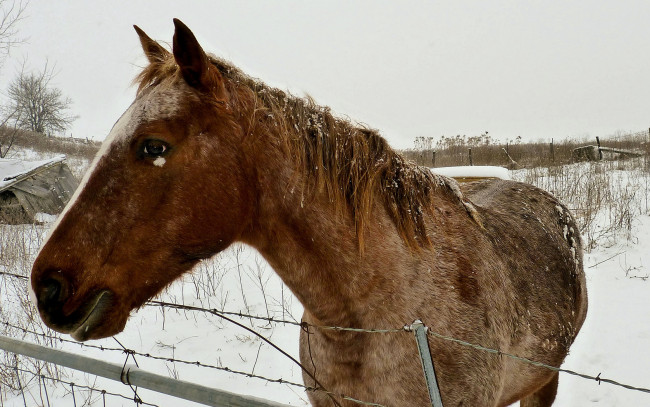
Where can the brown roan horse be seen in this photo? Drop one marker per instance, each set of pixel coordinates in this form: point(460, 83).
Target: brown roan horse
point(206, 156)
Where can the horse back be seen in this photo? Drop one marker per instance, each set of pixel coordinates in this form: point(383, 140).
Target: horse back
point(537, 238)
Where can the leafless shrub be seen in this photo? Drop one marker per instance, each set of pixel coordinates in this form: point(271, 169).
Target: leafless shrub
point(41, 107)
point(207, 280)
point(11, 13)
point(8, 129)
point(606, 197)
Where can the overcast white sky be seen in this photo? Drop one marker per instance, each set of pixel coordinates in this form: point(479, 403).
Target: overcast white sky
point(535, 69)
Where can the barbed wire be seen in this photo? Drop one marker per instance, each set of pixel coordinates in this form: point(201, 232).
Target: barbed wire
point(214, 311)
point(4, 273)
point(283, 352)
point(217, 312)
point(406, 328)
point(535, 363)
point(152, 356)
point(131, 352)
point(73, 385)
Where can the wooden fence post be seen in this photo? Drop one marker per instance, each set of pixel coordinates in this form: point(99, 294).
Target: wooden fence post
point(433, 158)
point(471, 162)
point(600, 153)
point(552, 152)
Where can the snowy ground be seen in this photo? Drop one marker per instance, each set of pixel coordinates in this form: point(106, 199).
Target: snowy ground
point(612, 342)
point(614, 339)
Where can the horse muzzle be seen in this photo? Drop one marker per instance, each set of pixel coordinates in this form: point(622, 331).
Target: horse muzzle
point(55, 306)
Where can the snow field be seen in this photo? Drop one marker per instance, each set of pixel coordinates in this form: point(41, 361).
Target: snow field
point(612, 342)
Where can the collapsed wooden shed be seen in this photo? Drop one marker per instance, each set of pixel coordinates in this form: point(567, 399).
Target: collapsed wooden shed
point(597, 153)
point(32, 190)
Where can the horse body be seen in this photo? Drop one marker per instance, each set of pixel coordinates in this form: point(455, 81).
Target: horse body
point(362, 238)
point(481, 281)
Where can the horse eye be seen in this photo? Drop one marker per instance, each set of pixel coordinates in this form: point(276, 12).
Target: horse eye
point(154, 148)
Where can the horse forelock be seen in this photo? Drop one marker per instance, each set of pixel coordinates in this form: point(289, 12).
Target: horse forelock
point(163, 70)
point(352, 163)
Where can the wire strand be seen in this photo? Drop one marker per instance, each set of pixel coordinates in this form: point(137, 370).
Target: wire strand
point(223, 314)
point(89, 388)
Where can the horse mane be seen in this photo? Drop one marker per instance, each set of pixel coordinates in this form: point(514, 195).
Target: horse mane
point(354, 165)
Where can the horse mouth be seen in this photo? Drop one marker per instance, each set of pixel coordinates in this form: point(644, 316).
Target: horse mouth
point(94, 316)
point(86, 319)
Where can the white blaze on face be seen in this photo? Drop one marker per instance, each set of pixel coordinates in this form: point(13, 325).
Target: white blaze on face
point(30, 290)
point(151, 105)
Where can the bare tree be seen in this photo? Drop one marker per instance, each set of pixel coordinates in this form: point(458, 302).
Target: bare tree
point(40, 107)
point(8, 129)
point(11, 12)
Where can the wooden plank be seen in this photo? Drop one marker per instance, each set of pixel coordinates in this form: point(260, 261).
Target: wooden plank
point(68, 182)
point(32, 189)
point(26, 204)
point(41, 205)
point(48, 179)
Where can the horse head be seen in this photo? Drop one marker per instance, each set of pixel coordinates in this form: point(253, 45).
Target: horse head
point(166, 189)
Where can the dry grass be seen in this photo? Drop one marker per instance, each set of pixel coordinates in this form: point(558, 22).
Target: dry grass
point(454, 151)
point(606, 197)
point(71, 147)
point(18, 247)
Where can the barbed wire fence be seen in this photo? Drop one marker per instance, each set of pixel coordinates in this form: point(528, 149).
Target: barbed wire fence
point(406, 328)
point(93, 395)
point(52, 339)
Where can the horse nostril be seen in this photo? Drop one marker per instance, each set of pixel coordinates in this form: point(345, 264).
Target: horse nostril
point(52, 293)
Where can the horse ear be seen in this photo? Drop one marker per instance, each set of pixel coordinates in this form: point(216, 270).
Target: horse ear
point(154, 51)
point(189, 55)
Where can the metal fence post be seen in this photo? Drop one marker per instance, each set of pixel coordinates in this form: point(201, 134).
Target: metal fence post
point(427, 363)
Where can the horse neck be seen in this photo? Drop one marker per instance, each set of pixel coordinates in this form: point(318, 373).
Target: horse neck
point(309, 243)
